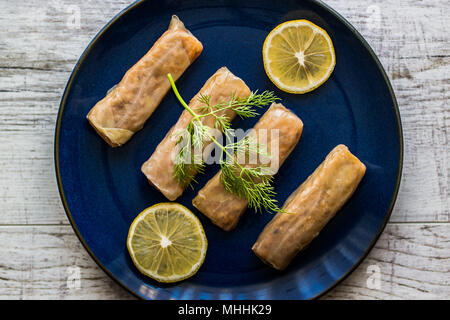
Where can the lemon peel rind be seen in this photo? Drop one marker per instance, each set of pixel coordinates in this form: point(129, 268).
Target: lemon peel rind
point(174, 278)
point(316, 29)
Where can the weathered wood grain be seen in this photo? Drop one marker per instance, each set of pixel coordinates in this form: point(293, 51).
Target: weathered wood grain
point(40, 42)
point(414, 262)
point(35, 263)
point(409, 40)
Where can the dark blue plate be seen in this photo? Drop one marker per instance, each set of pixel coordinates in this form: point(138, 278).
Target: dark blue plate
point(103, 190)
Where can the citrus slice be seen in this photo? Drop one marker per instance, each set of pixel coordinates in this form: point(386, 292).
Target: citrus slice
point(298, 56)
point(167, 243)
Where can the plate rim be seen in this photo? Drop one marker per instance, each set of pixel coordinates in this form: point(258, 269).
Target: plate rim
point(122, 13)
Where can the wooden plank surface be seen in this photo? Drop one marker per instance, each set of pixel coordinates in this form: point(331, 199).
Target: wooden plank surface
point(41, 40)
point(36, 262)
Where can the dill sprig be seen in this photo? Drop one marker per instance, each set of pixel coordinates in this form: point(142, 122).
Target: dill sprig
point(253, 183)
point(188, 162)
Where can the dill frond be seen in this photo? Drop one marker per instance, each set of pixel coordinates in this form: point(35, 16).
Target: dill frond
point(253, 183)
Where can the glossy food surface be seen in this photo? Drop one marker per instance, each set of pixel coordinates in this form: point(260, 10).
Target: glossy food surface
point(224, 208)
point(309, 208)
point(160, 167)
point(127, 106)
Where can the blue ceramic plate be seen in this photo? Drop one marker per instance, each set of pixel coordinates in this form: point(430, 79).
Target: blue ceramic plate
point(103, 190)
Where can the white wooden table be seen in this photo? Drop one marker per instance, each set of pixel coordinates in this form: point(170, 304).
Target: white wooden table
point(41, 40)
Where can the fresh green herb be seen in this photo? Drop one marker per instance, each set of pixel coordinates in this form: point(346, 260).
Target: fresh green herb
point(193, 138)
point(251, 183)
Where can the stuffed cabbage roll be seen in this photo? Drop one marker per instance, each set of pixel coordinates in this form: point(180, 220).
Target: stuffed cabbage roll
point(310, 208)
point(160, 167)
point(224, 208)
point(127, 106)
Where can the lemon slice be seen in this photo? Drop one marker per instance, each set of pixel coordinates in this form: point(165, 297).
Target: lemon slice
point(298, 56)
point(167, 243)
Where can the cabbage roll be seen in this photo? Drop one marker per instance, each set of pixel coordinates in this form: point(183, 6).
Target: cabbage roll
point(160, 167)
point(224, 208)
point(128, 105)
point(310, 208)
